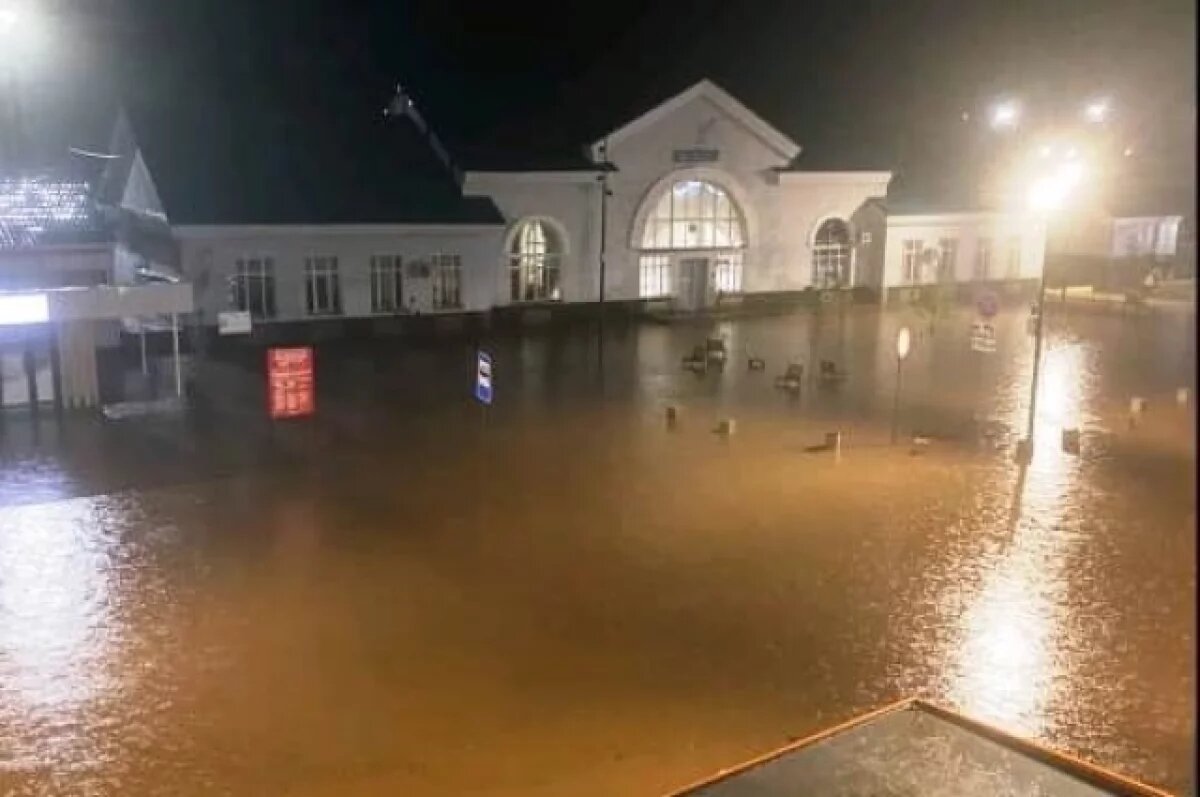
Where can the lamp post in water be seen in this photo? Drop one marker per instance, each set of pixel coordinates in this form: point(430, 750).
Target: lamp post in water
point(903, 344)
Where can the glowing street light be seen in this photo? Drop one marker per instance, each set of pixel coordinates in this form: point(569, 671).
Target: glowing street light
point(1050, 191)
point(1005, 115)
point(1097, 111)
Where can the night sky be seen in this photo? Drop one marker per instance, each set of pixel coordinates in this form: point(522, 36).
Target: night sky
point(857, 84)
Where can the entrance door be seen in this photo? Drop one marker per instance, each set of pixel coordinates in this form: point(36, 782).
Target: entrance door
point(693, 284)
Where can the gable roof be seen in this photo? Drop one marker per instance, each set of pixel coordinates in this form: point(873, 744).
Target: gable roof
point(707, 90)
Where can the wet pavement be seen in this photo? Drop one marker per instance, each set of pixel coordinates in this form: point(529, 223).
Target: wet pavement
point(562, 596)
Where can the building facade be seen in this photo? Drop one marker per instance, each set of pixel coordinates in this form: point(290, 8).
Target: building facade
point(693, 204)
point(924, 251)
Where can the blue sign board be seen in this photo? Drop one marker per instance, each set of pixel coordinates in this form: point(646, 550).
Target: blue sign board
point(483, 378)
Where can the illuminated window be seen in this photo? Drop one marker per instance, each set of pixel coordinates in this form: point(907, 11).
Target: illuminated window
point(387, 291)
point(831, 254)
point(655, 273)
point(983, 259)
point(253, 286)
point(910, 264)
point(535, 262)
point(323, 290)
point(947, 259)
point(446, 274)
point(694, 214)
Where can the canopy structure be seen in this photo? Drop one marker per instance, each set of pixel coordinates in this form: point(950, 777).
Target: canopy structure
point(913, 748)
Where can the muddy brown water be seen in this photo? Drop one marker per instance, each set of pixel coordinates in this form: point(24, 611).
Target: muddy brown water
point(562, 596)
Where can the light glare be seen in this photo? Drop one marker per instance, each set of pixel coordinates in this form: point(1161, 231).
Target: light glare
point(1097, 111)
point(24, 308)
point(1005, 115)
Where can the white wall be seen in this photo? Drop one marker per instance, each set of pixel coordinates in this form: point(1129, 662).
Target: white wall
point(209, 258)
point(781, 211)
point(967, 228)
point(570, 201)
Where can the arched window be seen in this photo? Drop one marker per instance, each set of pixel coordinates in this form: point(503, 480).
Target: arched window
point(831, 254)
point(694, 214)
point(535, 260)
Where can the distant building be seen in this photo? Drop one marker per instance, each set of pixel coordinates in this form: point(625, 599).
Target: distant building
point(928, 249)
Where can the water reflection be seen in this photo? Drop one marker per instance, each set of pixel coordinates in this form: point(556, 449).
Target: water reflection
point(56, 617)
point(1009, 659)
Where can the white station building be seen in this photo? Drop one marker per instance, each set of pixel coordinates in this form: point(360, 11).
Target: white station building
point(698, 204)
point(695, 204)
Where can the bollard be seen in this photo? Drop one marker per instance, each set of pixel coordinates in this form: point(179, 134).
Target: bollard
point(672, 416)
point(833, 441)
point(1137, 408)
point(1070, 441)
point(1181, 396)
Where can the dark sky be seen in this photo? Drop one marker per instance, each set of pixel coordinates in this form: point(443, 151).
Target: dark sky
point(857, 84)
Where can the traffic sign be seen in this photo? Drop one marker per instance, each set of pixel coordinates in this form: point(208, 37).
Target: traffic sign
point(987, 304)
point(983, 337)
point(291, 384)
point(483, 378)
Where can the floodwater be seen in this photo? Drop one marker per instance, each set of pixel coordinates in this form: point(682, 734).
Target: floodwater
point(563, 596)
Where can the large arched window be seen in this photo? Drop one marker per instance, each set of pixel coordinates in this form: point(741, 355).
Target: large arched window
point(691, 215)
point(694, 214)
point(831, 254)
point(535, 260)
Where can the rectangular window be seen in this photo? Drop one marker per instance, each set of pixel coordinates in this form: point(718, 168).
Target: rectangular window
point(322, 287)
point(253, 286)
point(910, 264)
point(983, 259)
point(1014, 258)
point(387, 292)
point(655, 276)
point(446, 276)
point(947, 259)
point(727, 274)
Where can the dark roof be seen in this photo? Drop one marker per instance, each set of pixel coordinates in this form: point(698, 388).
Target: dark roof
point(214, 163)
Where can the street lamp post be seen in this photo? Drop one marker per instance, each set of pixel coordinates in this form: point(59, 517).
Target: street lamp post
point(1037, 358)
point(1057, 178)
point(903, 344)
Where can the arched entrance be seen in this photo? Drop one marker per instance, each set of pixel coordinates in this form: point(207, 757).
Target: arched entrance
point(692, 244)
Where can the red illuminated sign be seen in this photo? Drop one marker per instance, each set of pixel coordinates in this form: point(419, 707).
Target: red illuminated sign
point(291, 385)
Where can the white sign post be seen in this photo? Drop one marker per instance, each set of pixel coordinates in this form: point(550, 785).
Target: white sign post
point(983, 337)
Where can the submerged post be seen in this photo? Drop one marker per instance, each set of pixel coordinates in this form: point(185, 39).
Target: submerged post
point(175, 351)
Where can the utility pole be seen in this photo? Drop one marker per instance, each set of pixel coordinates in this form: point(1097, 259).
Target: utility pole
point(604, 194)
point(1037, 354)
